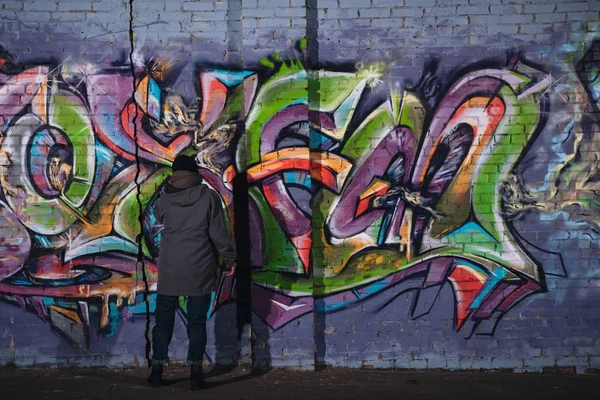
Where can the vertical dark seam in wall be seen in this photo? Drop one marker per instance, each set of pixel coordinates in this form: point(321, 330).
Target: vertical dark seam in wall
point(241, 222)
point(314, 100)
point(140, 255)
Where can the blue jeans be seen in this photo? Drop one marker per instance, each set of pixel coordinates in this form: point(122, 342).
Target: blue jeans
point(166, 306)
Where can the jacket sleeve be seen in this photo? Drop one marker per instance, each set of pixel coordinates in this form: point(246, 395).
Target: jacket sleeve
point(217, 230)
point(158, 212)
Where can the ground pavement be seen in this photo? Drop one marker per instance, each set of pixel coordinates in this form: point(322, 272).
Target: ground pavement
point(129, 384)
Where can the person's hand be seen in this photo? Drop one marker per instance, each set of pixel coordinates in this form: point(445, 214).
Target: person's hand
point(231, 271)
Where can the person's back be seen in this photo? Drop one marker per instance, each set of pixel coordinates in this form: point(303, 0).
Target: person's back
point(193, 226)
point(194, 234)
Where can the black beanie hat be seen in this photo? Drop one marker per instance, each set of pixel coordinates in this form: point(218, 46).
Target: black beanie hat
point(185, 163)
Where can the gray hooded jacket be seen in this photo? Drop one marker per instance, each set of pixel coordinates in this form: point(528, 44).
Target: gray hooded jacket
point(194, 234)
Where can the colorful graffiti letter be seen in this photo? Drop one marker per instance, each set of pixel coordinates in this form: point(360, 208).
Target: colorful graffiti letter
point(352, 190)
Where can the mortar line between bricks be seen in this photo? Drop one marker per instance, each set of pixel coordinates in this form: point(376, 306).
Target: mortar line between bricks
point(140, 254)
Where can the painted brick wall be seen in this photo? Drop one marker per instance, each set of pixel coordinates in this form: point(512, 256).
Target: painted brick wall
point(433, 205)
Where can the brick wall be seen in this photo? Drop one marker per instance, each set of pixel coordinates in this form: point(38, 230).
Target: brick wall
point(435, 204)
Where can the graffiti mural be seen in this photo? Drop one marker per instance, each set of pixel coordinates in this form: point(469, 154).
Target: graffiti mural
point(360, 187)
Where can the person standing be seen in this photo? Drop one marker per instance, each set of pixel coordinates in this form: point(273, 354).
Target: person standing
point(194, 235)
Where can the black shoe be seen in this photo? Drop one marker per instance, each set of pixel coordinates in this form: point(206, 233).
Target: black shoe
point(197, 380)
point(155, 378)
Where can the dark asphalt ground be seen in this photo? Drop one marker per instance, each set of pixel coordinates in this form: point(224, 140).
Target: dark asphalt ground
point(88, 383)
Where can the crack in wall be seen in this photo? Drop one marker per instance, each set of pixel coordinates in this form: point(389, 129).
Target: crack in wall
point(140, 255)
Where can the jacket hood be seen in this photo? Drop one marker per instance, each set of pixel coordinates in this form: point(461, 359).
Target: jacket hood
point(185, 197)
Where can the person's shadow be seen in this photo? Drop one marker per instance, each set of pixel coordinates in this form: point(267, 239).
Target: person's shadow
point(241, 344)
